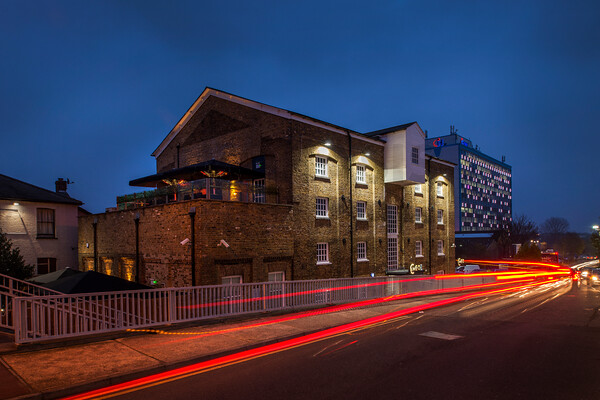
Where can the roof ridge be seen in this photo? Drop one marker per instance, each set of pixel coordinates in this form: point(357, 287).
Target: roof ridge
point(67, 198)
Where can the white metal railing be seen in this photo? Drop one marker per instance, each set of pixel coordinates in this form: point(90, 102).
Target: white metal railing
point(11, 288)
point(50, 317)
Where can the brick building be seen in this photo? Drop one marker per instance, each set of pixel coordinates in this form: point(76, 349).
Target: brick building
point(247, 192)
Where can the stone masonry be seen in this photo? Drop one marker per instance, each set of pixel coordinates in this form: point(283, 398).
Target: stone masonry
point(282, 235)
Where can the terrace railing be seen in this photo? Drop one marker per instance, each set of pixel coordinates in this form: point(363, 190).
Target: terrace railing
point(52, 316)
point(207, 188)
point(11, 288)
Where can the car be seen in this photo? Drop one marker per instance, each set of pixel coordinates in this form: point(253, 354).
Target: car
point(468, 269)
point(593, 277)
point(585, 271)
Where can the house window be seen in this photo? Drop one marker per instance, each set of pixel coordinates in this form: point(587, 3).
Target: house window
point(46, 265)
point(322, 207)
point(322, 253)
point(45, 223)
point(418, 189)
point(440, 245)
point(440, 217)
point(418, 215)
point(231, 280)
point(361, 251)
point(392, 219)
point(392, 253)
point(361, 174)
point(321, 166)
point(278, 276)
point(259, 190)
point(415, 155)
point(361, 210)
point(440, 189)
point(418, 248)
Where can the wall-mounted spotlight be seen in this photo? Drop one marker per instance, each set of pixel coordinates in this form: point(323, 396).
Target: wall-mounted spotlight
point(15, 203)
point(368, 154)
point(328, 143)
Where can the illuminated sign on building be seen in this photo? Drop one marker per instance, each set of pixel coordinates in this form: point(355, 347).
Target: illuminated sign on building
point(464, 142)
point(439, 142)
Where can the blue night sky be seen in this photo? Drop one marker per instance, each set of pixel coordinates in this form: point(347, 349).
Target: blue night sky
point(90, 88)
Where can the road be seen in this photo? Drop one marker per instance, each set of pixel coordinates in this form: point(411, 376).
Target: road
point(537, 344)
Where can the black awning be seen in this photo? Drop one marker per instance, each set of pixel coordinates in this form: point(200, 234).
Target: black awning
point(206, 169)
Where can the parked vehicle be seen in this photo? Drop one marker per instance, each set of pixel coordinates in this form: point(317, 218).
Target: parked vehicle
point(468, 269)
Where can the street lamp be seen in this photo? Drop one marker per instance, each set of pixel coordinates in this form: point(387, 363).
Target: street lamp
point(596, 227)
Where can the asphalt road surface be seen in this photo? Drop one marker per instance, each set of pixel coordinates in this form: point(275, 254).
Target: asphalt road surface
point(539, 344)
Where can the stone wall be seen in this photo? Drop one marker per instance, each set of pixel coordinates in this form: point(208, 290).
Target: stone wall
point(256, 234)
point(340, 230)
point(233, 133)
point(428, 231)
point(280, 237)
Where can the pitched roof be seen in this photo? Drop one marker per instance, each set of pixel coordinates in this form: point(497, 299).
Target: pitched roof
point(258, 106)
point(391, 129)
point(14, 189)
point(92, 282)
point(53, 276)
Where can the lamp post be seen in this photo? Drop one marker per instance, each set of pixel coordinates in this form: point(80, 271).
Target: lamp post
point(95, 226)
point(192, 214)
point(136, 219)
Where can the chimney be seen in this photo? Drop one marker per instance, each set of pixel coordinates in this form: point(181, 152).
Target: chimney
point(61, 185)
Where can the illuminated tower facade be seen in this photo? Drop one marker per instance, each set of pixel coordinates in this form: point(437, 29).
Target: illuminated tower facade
point(482, 184)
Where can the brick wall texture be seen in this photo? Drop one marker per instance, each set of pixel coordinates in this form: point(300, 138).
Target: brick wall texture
point(281, 236)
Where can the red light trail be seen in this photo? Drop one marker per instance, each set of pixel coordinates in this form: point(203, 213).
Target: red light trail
point(500, 275)
point(246, 355)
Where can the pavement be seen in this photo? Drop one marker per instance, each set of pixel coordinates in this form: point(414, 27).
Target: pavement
point(49, 371)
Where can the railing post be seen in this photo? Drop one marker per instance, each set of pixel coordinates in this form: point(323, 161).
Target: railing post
point(172, 306)
point(16, 319)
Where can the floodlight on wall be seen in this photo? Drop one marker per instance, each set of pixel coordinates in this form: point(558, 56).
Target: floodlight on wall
point(328, 143)
point(368, 154)
point(15, 203)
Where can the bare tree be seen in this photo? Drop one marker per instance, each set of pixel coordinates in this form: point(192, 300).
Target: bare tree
point(553, 230)
point(522, 229)
point(555, 226)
